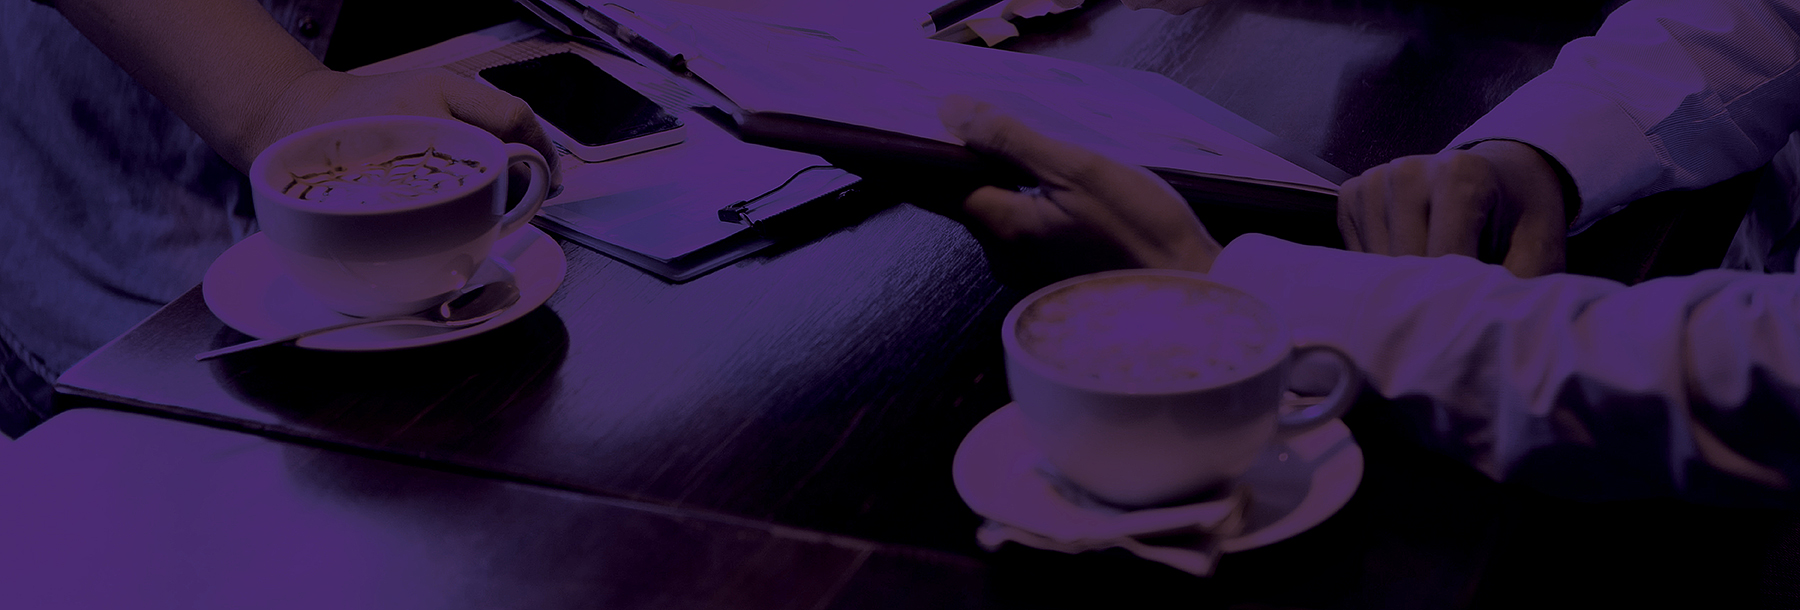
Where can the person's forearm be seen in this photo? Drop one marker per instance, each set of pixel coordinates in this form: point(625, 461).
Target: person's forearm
point(1680, 386)
point(218, 64)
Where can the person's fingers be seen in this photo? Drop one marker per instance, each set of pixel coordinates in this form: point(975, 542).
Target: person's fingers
point(1538, 247)
point(1002, 213)
point(1528, 207)
point(989, 131)
point(1463, 202)
point(1529, 262)
point(1350, 212)
point(499, 113)
point(1085, 185)
point(1408, 206)
point(1371, 218)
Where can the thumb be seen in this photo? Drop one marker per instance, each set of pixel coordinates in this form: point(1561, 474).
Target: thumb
point(999, 212)
point(987, 130)
point(499, 113)
point(1538, 247)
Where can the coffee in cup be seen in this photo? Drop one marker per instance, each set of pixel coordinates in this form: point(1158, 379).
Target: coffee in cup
point(1150, 387)
point(390, 215)
point(395, 181)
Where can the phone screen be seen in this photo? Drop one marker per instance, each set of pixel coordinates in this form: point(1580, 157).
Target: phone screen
point(580, 99)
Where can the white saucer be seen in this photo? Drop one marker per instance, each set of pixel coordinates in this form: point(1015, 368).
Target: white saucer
point(1293, 486)
point(247, 289)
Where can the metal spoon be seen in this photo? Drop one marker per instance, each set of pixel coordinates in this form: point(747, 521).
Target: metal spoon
point(473, 306)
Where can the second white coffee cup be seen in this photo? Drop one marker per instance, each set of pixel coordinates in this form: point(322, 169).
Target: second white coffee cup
point(1151, 387)
point(385, 255)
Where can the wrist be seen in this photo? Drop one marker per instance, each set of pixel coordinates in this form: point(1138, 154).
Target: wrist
point(306, 86)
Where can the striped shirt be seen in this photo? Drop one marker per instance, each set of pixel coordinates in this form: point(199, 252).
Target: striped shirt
point(1683, 386)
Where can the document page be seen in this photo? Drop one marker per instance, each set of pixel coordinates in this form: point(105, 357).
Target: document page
point(897, 85)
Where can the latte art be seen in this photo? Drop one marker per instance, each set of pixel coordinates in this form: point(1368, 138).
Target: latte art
point(1126, 333)
point(392, 181)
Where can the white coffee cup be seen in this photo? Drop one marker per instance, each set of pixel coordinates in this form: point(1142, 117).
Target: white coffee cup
point(378, 256)
point(1152, 387)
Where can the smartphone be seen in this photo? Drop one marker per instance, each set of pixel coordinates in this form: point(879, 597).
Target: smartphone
point(584, 109)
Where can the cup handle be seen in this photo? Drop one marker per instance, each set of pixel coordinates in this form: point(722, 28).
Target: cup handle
point(534, 193)
point(1333, 405)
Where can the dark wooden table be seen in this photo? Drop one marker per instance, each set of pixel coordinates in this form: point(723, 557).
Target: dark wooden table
point(116, 510)
point(824, 386)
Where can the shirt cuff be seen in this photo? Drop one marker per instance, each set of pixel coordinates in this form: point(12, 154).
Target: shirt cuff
point(1313, 289)
point(1592, 137)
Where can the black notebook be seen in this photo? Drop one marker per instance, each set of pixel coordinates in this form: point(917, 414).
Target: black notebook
point(676, 212)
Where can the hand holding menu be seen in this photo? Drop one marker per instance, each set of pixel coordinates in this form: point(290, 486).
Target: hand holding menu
point(807, 90)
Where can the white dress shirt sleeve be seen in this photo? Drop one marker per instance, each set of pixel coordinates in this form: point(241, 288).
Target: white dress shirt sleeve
point(1668, 94)
point(1581, 386)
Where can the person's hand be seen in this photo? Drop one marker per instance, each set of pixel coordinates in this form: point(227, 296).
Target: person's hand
point(323, 96)
point(1176, 7)
point(1500, 202)
point(1089, 213)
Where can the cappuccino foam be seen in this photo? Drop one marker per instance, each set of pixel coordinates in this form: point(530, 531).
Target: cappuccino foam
point(1131, 332)
point(395, 180)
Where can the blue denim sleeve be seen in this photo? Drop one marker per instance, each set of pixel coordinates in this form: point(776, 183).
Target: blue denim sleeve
point(114, 206)
point(24, 395)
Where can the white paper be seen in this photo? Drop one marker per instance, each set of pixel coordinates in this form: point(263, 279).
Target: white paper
point(897, 85)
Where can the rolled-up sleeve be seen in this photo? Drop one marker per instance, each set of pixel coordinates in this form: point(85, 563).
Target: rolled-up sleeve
point(1679, 386)
point(1668, 94)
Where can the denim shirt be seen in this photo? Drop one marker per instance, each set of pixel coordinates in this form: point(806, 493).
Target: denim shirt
point(113, 206)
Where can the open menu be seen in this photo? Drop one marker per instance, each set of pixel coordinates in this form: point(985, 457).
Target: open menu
point(805, 89)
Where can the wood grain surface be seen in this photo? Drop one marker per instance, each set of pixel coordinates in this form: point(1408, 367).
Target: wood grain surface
point(825, 384)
